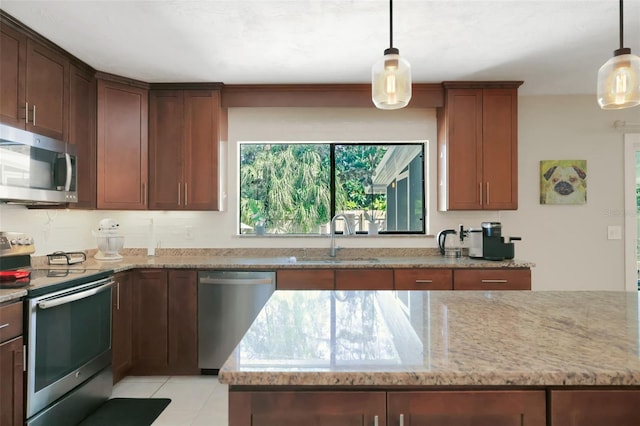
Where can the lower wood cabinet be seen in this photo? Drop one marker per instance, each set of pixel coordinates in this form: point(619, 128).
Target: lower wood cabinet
point(492, 279)
point(463, 408)
point(393, 408)
point(297, 408)
point(165, 338)
point(12, 382)
point(11, 365)
point(364, 279)
point(121, 328)
point(595, 407)
point(423, 279)
point(305, 279)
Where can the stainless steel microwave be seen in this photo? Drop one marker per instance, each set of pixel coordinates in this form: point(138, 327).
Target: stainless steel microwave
point(36, 169)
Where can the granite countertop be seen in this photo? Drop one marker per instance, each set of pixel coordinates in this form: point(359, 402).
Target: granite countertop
point(473, 338)
point(269, 259)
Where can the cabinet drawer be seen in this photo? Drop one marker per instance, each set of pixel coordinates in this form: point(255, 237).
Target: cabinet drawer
point(364, 279)
point(595, 407)
point(305, 279)
point(423, 279)
point(492, 279)
point(10, 321)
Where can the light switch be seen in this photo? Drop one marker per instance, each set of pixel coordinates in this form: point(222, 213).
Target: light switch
point(614, 232)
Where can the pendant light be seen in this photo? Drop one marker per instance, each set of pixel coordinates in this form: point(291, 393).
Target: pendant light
point(619, 77)
point(391, 76)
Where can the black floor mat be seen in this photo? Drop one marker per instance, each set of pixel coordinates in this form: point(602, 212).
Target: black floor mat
point(127, 412)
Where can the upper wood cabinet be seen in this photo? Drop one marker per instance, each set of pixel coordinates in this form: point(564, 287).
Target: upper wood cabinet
point(185, 129)
point(122, 146)
point(34, 80)
point(477, 147)
point(82, 132)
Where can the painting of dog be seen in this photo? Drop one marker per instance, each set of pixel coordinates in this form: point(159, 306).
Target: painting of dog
point(563, 182)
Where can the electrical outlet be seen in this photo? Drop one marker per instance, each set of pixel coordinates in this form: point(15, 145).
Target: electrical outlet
point(614, 232)
point(188, 232)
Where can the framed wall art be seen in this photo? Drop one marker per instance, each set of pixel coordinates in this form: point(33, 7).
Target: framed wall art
point(563, 181)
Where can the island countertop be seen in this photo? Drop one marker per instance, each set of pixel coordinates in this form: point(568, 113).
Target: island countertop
point(440, 338)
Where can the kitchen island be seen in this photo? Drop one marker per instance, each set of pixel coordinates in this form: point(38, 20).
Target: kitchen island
point(414, 357)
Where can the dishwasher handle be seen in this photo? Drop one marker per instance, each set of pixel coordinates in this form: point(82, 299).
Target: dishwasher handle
point(234, 281)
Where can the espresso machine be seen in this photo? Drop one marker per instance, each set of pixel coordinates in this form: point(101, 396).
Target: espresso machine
point(493, 245)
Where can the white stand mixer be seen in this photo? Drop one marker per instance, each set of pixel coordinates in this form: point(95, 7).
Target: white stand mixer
point(110, 242)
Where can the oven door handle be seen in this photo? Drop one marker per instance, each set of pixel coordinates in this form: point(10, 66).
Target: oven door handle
point(52, 303)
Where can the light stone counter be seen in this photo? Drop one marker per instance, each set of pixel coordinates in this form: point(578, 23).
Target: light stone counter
point(385, 338)
point(269, 259)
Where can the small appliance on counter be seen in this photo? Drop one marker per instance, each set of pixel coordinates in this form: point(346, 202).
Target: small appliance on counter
point(475, 243)
point(110, 242)
point(451, 246)
point(493, 245)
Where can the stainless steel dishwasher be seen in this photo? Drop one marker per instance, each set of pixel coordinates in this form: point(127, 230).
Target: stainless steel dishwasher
point(228, 302)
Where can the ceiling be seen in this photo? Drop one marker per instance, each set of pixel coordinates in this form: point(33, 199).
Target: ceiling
point(555, 46)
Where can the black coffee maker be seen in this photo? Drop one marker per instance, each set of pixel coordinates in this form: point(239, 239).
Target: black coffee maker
point(493, 245)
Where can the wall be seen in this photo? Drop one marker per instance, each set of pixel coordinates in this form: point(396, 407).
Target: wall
point(568, 243)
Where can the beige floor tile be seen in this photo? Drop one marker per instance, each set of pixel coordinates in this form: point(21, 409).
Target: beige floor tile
point(132, 389)
point(171, 417)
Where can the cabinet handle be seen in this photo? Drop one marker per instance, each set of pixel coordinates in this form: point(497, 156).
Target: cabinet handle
point(423, 281)
point(494, 281)
point(144, 195)
point(480, 185)
point(118, 295)
point(4, 325)
point(375, 420)
point(24, 357)
point(487, 193)
point(33, 119)
point(401, 419)
point(178, 193)
point(186, 195)
point(26, 113)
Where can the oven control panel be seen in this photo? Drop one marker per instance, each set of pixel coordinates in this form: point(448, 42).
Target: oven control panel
point(16, 243)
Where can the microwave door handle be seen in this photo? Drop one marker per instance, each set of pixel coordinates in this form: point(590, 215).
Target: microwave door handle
point(67, 182)
point(46, 304)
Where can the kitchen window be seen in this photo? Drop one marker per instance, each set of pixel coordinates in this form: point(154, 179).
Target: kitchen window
point(295, 188)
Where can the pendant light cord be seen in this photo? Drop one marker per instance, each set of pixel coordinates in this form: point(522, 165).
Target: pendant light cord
point(391, 23)
point(621, 25)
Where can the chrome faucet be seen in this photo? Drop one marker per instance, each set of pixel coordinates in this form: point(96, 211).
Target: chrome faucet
point(332, 249)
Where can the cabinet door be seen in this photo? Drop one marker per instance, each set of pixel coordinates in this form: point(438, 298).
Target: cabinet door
point(201, 149)
point(12, 383)
point(150, 322)
point(423, 279)
point(122, 146)
point(307, 408)
point(463, 408)
point(595, 407)
point(183, 322)
point(492, 279)
point(499, 146)
point(364, 279)
point(460, 146)
point(13, 50)
point(121, 330)
point(305, 279)
point(46, 83)
point(82, 133)
point(166, 149)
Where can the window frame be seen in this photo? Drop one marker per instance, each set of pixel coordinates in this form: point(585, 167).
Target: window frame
point(332, 180)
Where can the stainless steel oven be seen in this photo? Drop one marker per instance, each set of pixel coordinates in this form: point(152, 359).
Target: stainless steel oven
point(69, 352)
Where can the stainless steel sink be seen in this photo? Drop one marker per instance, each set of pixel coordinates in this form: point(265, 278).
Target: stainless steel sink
point(334, 260)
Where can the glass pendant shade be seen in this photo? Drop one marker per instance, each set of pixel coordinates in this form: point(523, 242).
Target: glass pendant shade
point(619, 81)
point(391, 81)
